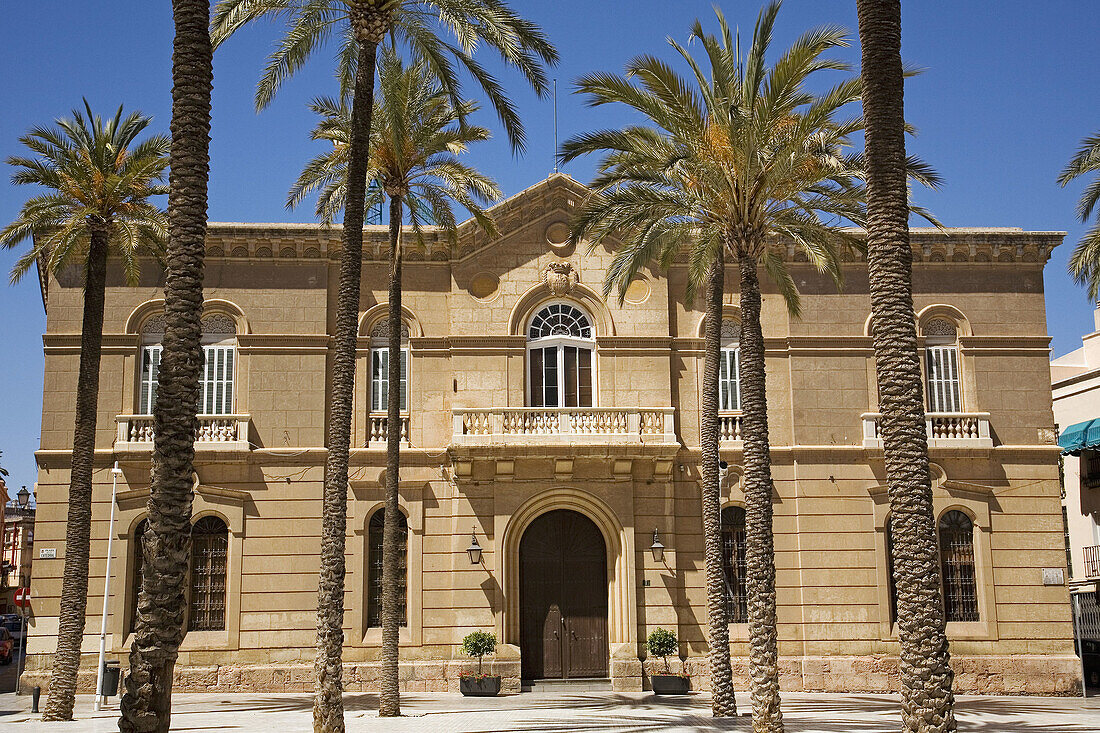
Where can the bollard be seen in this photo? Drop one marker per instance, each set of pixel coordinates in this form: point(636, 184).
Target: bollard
point(35, 694)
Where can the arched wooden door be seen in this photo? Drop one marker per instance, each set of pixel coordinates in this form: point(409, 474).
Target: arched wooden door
point(563, 598)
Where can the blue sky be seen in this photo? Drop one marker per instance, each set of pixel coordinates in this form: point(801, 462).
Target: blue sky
point(1008, 93)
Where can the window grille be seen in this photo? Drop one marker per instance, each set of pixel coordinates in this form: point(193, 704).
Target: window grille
point(960, 592)
point(139, 564)
point(944, 384)
point(891, 584)
point(375, 536)
point(380, 379)
point(733, 564)
point(560, 319)
point(209, 551)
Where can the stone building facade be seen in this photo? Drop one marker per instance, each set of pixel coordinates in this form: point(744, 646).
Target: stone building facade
point(560, 431)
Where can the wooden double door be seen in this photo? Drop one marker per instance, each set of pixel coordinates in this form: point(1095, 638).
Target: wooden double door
point(563, 598)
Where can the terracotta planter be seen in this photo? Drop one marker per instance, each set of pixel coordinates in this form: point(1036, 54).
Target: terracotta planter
point(479, 686)
point(670, 684)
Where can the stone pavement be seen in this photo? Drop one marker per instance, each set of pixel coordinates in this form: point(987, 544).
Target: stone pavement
point(573, 713)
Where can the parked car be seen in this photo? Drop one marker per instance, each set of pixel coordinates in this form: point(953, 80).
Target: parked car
point(14, 625)
point(7, 646)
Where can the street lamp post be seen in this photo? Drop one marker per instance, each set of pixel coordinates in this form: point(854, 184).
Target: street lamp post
point(23, 497)
point(99, 696)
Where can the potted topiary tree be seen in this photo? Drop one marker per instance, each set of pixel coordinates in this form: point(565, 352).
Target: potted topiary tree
point(477, 684)
point(662, 643)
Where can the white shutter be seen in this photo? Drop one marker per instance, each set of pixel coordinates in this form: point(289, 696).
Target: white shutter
point(729, 380)
point(150, 370)
point(217, 381)
point(380, 380)
point(944, 384)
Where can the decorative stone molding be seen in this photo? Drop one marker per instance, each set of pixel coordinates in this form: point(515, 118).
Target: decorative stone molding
point(560, 278)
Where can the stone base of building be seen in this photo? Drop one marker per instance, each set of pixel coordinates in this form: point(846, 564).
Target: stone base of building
point(974, 675)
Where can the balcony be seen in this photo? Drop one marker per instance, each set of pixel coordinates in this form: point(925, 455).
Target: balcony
point(729, 426)
point(377, 433)
point(563, 426)
point(1091, 556)
point(216, 432)
point(944, 430)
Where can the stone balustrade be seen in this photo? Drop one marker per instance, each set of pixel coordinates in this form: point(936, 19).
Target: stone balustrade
point(377, 433)
point(729, 426)
point(944, 430)
point(563, 425)
point(219, 432)
point(1091, 557)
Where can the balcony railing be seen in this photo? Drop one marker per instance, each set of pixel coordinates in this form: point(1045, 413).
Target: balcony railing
point(944, 430)
point(1091, 556)
point(376, 429)
point(729, 426)
point(563, 425)
point(218, 432)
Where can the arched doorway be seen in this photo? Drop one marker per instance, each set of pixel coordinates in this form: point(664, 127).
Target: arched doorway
point(563, 598)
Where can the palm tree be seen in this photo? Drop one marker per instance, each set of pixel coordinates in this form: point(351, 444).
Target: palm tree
point(414, 151)
point(99, 178)
point(926, 676)
point(361, 26)
point(737, 160)
point(1084, 264)
point(147, 702)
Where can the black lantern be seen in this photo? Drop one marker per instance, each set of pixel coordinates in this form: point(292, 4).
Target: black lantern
point(23, 497)
point(474, 550)
point(657, 548)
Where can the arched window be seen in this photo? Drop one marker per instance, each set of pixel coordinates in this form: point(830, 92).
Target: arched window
point(944, 381)
point(375, 535)
point(219, 337)
point(559, 355)
point(729, 369)
point(209, 552)
point(960, 591)
point(380, 366)
point(733, 564)
point(139, 563)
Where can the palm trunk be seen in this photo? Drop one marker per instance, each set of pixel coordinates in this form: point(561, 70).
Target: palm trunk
point(759, 547)
point(721, 674)
point(926, 676)
point(74, 584)
point(328, 704)
point(162, 603)
point(389, 698)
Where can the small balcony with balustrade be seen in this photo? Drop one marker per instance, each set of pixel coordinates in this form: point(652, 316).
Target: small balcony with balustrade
point(564, 426)
point(378, 434)
point(216, 433)
point(944, 430)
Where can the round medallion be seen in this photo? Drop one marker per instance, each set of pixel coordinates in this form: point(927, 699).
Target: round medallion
point(557, 236)
point(637, 291)
point(484, 285)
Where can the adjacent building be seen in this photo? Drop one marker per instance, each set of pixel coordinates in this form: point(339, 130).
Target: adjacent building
point(16, 552)
point(559, 433)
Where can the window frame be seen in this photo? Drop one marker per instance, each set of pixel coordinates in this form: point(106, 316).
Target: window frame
point(211, 343)
point(965, 586)
point(559, 344)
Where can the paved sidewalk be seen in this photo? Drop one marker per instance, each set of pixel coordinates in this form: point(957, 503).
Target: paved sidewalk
point(573, 713)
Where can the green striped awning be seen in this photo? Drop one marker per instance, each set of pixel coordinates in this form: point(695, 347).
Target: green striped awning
point(1080, 436)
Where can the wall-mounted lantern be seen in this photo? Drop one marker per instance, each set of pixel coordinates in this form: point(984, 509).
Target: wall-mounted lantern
point(474, 550)
point(657, 548)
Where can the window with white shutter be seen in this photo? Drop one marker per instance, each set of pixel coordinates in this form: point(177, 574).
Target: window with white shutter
point(944, 383)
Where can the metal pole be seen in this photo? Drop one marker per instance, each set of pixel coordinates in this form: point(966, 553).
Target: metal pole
point(1077, 620)
point(22, 653)
point(106, 594)
point(555, 125)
